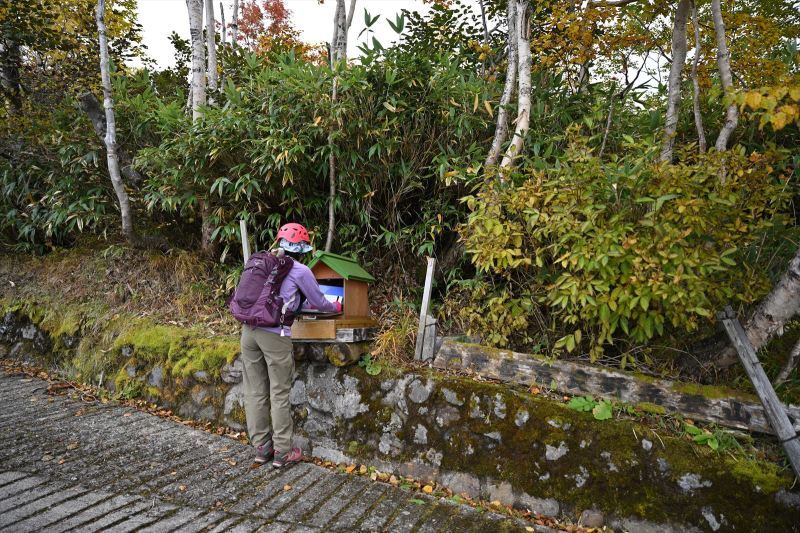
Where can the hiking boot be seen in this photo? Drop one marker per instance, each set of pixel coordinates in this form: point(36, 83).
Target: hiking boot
point(265, 452)
point(293, 456)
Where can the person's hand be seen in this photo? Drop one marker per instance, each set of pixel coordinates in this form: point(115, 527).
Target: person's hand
point(338, 306)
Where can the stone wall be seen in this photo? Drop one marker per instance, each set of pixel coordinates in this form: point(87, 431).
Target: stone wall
point(483, 439)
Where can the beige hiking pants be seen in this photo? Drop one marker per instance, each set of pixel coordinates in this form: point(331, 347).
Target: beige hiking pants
point(268, 373)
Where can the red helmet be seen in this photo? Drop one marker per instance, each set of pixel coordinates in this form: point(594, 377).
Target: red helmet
point(294, 233)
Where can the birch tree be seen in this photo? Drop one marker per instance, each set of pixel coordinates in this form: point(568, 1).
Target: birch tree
point(725, 76)
point(679, 46)
point(698, 116)
point(111, 128)
point(235, 23)
point(10, 61)
point(779, 306)
point(501, 130)
point(522, 121)
point(338, 52)
point(222, 21)
point(211, 46)
point(198, 86)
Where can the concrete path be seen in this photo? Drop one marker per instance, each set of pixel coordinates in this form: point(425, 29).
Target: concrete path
point(66, 464)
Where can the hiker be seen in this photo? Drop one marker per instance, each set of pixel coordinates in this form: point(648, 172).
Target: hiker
point(271, 290)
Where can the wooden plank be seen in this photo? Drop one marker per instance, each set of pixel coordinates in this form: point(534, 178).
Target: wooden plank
point(429, 341)
point(356, 300)
point(245, 240)
point(322, 271)
point(739, 411)
point(423, 311)
point(328, 329)
point(314, 329)
point(773, 408)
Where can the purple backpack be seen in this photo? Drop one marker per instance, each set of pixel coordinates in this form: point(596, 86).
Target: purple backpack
point(257, 301)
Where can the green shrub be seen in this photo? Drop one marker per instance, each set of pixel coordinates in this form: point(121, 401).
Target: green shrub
point(621, 248)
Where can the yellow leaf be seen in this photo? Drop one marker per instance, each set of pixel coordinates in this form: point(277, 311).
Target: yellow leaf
point(753, 99)
point(475, 103)
point(287, 487)
point(350, 469)
point(427, 489)
point(182, 487)
point(362, 469)
point(488, 108)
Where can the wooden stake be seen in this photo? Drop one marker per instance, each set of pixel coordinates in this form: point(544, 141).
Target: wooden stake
point(245, 241)
point(423, 314)
point(774, 409)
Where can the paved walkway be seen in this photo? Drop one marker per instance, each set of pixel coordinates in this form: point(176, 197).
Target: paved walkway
point(65, 464)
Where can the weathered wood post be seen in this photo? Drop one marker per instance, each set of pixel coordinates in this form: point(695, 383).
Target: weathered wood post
point(426, 333)
point(774, 409)
point(245, 240)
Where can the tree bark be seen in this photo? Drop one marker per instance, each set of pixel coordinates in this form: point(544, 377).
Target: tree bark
point(198, 90)
point(10, 61)
point(679, 46)
point(514, 149)
point(726, 78)
point(235, 23)
point(349, 21)
point(341, 23)
point(224, 28)
point(698, 116)
point(501, 130)
point(779, 306)
point(111, 128)
point(91, 106)
point(211, 47)
point(791, 364)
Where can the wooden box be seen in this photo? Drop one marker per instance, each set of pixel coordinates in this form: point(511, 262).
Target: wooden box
point(334, 269)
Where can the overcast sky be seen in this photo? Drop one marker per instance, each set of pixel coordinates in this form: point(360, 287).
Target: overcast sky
point(159, 18)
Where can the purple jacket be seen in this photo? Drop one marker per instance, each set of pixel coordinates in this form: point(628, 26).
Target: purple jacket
point(300, 279)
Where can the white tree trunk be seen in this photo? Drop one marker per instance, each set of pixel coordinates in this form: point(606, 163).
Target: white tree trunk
point(674, 85)
point(235, 23)
point(791, 364)
point(198, 90)
point(349, 21)
point(338, 52)
point(501, 130)
point(514, 149)
point(224, 27)
point(111, 126)
point(698, 116)
point(779, 306)
point(726, 78)
point(211, 46)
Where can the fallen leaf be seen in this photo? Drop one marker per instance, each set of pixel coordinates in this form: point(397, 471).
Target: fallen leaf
point(529, 528)
point(394, 481)
point(350, 469)
point(182, 487)
point(62, 461)
point(127, 414)
point(173, 473)
point(287, 487)
point(427, 489)
point(231, 462)
point(47, 457)
point(495, 503)
point(362, 469)
point(72, 445)
point(373, 476)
